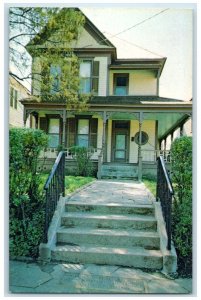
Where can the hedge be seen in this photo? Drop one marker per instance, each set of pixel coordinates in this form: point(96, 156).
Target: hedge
point(26, 202)
point(181, 166)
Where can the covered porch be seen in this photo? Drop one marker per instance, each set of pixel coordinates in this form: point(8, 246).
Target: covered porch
point(133, 134)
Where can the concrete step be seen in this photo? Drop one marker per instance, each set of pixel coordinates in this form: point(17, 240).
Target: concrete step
point(131, 257)
point(119, 171)
point(112, 237)
point(109, 221)
point(110, 208)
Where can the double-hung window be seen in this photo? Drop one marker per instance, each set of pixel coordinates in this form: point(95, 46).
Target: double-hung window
point(121, 84)
point(53, 132)
point(13, 97)
point(83, 133)
point(55, 74)
point(89, 76)
point(85, 77)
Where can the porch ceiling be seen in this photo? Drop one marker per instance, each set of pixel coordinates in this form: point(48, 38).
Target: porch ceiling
point(166, 120)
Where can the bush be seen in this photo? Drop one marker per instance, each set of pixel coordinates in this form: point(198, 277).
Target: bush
point(26, 199)
point(82, 157)
point(181, 166)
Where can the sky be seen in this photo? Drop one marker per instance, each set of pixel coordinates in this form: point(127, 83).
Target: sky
point(152, 33)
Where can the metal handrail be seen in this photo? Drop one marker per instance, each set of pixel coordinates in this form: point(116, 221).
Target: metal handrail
point(54, 188)
point(165, 193)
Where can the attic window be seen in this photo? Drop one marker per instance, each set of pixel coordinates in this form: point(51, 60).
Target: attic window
point(121, 84)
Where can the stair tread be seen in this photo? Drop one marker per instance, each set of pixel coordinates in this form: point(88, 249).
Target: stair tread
point(109, 250)
point(101, 216)
point(77, 203)
point(110, 232)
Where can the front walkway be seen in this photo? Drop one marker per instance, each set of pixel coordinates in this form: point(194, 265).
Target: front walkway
point(58, 278)
point(68, 278)
point(126, 192)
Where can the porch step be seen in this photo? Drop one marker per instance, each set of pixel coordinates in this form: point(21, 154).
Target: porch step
point(137, 257)
point(104, 237)
point(109, 221)
point(126, 171)
point(108, 233)
point(110, 208)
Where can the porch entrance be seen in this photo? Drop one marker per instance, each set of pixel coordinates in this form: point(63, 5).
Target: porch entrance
point(120, 141)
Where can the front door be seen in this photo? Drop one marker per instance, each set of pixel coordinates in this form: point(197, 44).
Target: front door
point(120, 141)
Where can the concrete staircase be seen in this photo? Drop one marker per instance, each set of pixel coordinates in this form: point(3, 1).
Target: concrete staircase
point(112, 170)
point(111, 234)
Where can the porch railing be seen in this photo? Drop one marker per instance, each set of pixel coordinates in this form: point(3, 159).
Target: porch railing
point(53, 152)
point(54, 188)
point(151, 155)
point(164, 194)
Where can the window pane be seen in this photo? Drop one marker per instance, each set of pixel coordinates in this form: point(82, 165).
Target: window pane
point(55, 72)
point(120, 154)
point(120, 91)
point(121, 81)
point(83, 126)
point(54, 126)
point(53, 140)
point(83, 140)
point(85, 85)
point(85, 69)
point(120, 141)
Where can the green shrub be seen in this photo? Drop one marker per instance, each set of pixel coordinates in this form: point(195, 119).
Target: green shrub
point(84, 166)
point(26, 199)
point(181, 166)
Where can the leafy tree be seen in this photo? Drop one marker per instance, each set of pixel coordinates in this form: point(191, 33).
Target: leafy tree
point(47, 34)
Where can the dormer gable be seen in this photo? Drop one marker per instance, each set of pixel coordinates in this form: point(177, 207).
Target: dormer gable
point(89, 37)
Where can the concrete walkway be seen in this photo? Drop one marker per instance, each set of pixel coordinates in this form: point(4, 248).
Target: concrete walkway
point(57, 278)
point(64, 278)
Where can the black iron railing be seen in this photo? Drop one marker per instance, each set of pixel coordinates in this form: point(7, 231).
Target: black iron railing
point(164, 194)
point(54, 188)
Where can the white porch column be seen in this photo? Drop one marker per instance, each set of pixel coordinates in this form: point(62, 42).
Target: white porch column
point(64, 128)
point(102, 154)
point(139, 148)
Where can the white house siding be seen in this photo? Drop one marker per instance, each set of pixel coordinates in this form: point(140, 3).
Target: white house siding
point(187, 128)
point(103, 75)
point(16, 114)
point(149, 128)
point(176, 133)
point(141, 82)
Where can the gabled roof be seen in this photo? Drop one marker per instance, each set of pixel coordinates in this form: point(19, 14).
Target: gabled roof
point(139, 64)
point(89, 26)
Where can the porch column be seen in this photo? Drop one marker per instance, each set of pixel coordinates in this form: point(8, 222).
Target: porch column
point(101, 156)
point(139, 148)
point(104, 134)
point(64, 128)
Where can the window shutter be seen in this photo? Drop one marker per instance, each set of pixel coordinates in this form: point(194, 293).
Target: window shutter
point(71, 132)
point(43, 124)
point(95, 77)
point(93, 132)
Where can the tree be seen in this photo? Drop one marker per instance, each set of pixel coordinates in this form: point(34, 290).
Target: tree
point(47, 33)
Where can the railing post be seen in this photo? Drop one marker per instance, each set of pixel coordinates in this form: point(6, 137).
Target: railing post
point(164, 193)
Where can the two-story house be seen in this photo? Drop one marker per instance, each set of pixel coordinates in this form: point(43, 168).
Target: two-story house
point(127, 120)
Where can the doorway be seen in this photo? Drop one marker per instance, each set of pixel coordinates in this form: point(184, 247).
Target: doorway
point(120, 141)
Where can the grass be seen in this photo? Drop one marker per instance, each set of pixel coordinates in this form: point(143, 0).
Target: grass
point(72, 183)
point(150, 184)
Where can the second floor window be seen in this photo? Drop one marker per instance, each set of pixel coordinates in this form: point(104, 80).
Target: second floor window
point(85, 77)
point(55, 73)
point(13, 97)
point(121, 84)
point(89, 77)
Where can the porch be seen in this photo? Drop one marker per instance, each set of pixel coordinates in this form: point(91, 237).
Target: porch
point(132, 132)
